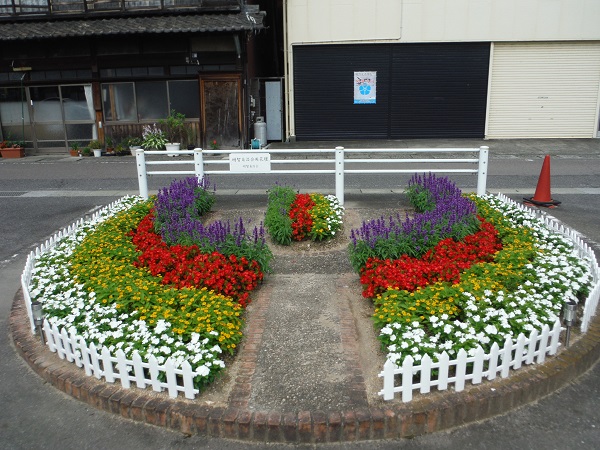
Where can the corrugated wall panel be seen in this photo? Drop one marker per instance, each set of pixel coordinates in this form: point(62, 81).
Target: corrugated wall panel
point(439, 90)
point(544, 90)
point(423, 91)
point(324, 92)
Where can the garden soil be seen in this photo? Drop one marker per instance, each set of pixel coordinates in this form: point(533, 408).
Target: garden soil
point(318, 348)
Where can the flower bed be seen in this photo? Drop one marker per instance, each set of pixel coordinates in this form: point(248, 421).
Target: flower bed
point(118, 284)
point(467, 292)
point(153, 277)
point(301, 216)
point(443, 213)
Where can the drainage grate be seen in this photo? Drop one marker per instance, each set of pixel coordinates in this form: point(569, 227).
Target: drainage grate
point(12, 193)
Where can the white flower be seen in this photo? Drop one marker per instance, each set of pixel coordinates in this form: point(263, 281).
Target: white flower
point(491, 329)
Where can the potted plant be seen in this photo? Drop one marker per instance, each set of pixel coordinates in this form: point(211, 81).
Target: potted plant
point(191, 138)
point(134, 143)
point(12, 149)
point(153, 138)
point(86, 151)
point(96, 146)
point(75, 149)
point(174, 128)
point(110, 147)
point(120, 149)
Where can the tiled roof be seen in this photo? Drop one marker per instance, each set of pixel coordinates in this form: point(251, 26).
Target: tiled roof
point(243, 21)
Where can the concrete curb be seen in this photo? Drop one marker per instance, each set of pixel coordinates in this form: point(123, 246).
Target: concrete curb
point(434, 412)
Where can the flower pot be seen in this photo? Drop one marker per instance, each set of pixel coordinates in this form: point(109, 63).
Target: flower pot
point(172, 147)
point(13, 152)
point(74, 152)
point(97, 153)
point(133, 148)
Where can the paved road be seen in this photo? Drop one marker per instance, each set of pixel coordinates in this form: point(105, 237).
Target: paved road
point(40, 195)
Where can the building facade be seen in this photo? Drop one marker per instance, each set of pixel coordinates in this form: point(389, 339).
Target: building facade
point(394, 69)
point(78, 70)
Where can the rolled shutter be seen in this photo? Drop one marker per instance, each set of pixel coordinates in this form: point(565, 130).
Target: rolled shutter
point(544, 90)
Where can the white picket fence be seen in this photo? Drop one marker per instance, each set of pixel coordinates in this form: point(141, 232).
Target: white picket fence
point(101, 364)
point(528, 350)
point(457, 372)
point(584, 251)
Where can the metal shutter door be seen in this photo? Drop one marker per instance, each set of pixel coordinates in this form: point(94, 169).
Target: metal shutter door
point(544, 90)
point(439, 90)
point(324, 92)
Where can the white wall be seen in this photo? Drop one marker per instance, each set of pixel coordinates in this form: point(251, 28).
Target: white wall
point(442, 20)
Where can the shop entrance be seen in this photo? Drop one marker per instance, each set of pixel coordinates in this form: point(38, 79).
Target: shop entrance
point(221, 111)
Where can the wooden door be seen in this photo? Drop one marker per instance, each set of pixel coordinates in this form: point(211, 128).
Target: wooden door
point(221, 111)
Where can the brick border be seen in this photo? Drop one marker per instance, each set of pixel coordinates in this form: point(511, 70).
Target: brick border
point(239, 397)
point(427, 414)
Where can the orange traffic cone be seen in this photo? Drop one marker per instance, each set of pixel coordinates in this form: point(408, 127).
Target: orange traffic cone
point(542, 195)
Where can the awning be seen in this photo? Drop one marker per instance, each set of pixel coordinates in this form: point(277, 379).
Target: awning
point(196, 23)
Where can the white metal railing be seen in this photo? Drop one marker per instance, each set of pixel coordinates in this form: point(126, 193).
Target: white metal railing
point(338, 158)
point(528, 350)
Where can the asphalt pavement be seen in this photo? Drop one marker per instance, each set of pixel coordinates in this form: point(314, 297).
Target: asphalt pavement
point(41, 194)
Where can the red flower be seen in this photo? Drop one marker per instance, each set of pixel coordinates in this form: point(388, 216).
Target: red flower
point(445, 262)
point(186, 266)
point(300, 215)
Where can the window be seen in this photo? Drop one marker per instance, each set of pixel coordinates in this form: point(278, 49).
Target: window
point(14, 114)
point(151, 100)
point(46, 104)
point(146, 101)
point(118, 102)
point(184, 97)
point(13, 107)
point(78, 103)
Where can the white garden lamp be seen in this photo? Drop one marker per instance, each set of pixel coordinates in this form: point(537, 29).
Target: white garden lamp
point(38, 318)
point(569, 317)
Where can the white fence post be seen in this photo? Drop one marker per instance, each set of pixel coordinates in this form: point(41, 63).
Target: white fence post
point(389, 369)
point(122, 368)
point(482, 170)
point(199, 163)
point(407, 376)
point(339, 174)
point(142, 176)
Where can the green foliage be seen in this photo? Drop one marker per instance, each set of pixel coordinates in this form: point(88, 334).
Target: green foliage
point(134, 141)
point(420, 197)
point(204, 199)
point(95, 144)
point(153, 138)
point(277, 220)
point(190, 133)
point(173, 126)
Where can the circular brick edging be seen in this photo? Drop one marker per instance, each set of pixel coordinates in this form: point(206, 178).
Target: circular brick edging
point(425, 414)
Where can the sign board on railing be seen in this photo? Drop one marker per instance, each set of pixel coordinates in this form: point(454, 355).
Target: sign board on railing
point(244, 162)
